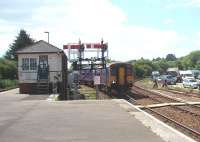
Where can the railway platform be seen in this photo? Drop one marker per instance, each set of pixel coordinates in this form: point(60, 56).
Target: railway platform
point(77, 121)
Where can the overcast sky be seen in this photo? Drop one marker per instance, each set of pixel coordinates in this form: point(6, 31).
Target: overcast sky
point(132, 28)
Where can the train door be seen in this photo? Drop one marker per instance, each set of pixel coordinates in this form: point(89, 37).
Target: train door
point(121, 75)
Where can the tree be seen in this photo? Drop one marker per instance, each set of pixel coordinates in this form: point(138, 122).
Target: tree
point(143, 67)
point(8, 69)
point(170, 57)
point(157, 59)
point(191, 61)
point(21, 41)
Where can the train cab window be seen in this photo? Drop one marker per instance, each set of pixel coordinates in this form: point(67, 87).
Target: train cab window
point(113, 71)
point(129, 71)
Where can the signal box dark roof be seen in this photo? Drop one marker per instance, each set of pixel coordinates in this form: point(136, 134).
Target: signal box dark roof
point(39, 47)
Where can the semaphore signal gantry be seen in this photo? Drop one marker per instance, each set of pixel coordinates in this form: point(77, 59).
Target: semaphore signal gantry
point(77, 54)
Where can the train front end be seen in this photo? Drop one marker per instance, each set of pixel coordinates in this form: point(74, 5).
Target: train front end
point(121, 77)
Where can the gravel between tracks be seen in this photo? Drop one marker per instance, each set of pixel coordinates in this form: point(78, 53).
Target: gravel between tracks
point(181, 117)
point(186, 97)
point(191, 120)
point(182, 96)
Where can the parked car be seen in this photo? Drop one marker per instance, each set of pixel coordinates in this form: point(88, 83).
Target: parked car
point(198, 77)
point(186, 74)
point(190, 82)
point(169, 79)
point(195, 73)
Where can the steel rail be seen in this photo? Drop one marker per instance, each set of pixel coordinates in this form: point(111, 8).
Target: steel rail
point(176, 123)
point(195, 94)
point(154, 94)
point(184, 127)
point(175, 107)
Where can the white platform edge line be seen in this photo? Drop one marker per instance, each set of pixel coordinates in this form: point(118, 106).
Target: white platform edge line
point(187, 139)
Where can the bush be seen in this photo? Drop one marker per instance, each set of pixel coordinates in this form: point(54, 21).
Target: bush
point(8, 69)
point(7, 83)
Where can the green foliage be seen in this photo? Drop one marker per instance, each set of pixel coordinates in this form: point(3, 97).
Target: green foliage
point(109, 61)
point(8, 69)
point(21, 41)
point(157, 59)
point(139, 72)
point(8, 65)
point(191, 61)
point(143, 67)
point(170, 57)
point(7, 83)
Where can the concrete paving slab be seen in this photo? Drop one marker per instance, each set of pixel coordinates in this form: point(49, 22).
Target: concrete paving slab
point(73, 121)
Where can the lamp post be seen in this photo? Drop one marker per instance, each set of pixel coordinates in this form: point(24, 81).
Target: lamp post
point(48, 35)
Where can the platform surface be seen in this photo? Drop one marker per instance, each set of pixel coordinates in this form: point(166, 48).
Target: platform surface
point(32, 120)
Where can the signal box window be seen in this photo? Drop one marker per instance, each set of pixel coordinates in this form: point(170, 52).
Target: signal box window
point(25, 63)
point(33, 63)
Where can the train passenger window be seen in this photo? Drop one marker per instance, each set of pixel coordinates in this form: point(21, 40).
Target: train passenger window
point(113, 71)
point(129, 71)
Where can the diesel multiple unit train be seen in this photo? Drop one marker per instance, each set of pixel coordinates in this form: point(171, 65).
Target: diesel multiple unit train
point(116, 76)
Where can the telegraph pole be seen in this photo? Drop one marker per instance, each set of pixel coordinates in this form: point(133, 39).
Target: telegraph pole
point(47, 35)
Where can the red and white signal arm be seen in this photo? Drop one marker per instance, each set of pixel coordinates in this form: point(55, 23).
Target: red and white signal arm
point(94, 45)
point(87, 45)
point(97, 80)
point(72, 46)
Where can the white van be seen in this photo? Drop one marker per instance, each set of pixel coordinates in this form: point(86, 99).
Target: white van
point(186, 74)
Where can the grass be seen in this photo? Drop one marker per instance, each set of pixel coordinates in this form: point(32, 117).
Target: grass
point(89, 93)
point(148, 83)
point(6, 84)
point(146, 80)
point(176, 88)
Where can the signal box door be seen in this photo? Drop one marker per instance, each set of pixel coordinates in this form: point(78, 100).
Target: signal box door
point(43, 67)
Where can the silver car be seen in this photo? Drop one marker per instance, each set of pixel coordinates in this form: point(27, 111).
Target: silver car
point(190, 82)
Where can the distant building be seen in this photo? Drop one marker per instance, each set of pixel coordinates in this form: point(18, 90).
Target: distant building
point(175, 69)
point(42, 67)
point(174, 72)
point(186, 73)
point(155, 75)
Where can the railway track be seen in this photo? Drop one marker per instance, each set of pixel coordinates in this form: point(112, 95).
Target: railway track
point(151, 95)
point(177, 116)
point(195, 134)
point(194, 94)
point(156, 95)
point(172, 99)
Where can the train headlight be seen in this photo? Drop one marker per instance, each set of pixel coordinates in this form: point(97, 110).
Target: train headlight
point(113, 82)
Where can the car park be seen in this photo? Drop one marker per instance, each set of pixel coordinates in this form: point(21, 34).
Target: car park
point(195, 73)
point(190, 82)
point(186, 74)
point(175, 73)
point(155, 75)
point(168, 78)
point(198, 77)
